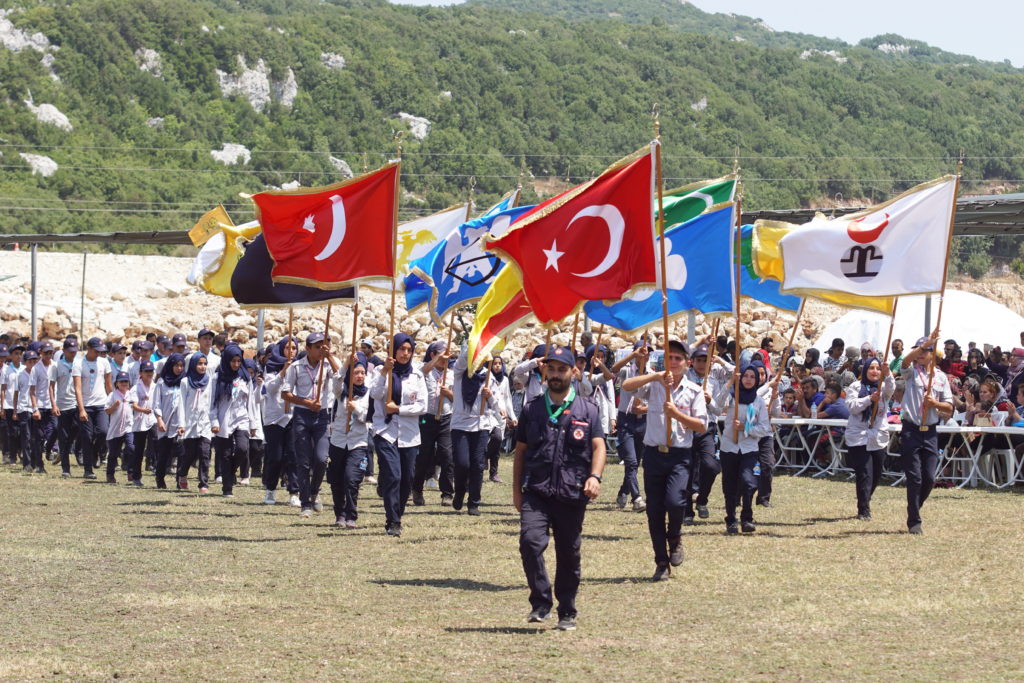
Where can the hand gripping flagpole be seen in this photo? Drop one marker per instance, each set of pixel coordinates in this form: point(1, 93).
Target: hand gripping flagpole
point(664, 277)
point(487, 382)
point(394, 275)
point(444, 372)
point(942, 296)
point(888, 343)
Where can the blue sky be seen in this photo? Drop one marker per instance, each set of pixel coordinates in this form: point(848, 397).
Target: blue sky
point(989, 31)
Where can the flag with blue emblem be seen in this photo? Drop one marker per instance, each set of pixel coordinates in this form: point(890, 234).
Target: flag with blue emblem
point(699, 258)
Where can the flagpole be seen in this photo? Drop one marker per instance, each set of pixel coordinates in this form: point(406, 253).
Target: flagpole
point(291, 317)
point(789, 350)
point(575, 329)
point(444, 373)
point(736, 344)
point(664, 276)
point(590, 365)
point(483, 402)
point(888, 343)
point(711, 354)
point(945, 276)
point(394, 265)
point(547, 354)
point(355, 333)
point(320, 372)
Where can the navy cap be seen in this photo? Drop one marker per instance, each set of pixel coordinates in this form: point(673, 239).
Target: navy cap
point(562, 354)
point(204, 332)
point(46, 347)
point(34, 346)
point(921, 342)
point(178, 339)
point(122, 377)
point(162, 339)
point(146, 366)
point(136, 346)
point(94, 343)
point(147, 345)
point(701, 350)
point(70, 345)
point(314, 338)
point(102, 348)
point(115, 347)
point(17, 347)
point(679, 346)
point(30, 355)
point(4, 353)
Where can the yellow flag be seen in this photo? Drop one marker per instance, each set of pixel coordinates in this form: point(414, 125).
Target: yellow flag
point(207, 226)
point(501, 310)
point(766, 257)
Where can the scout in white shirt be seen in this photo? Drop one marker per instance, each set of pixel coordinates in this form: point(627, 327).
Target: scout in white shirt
point(279, 454)
point(66, 404)
point(169, 409)
point(501, 417)
point(44, 428)
point(93, 382)
point(349, 435)
point(196, 392)
point(23, 413)
point(866, 436)
point(630, 425)
point(474, 395)
point(230, 411)
point(143, 420)
point(744, 429)
point(119, 426)
point(436, 426)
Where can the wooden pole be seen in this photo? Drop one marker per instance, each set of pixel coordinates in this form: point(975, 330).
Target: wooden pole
point(352, 352)
point(394, 261)
point(664, 271)
point(789, 352)
point(711, 354)
point(600, 334)
point(888, 343)
point(487, 381)
point(736, 344)
point(547, 354)
point(945, 275)
point(320, 372)
point(291, 317)
point(444, 373)
point(575, 329)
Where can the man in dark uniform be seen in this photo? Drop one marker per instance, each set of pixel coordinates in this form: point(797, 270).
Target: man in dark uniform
point(559, 459)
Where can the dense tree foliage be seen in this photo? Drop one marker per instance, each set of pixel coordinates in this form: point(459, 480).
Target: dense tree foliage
point(557, 92)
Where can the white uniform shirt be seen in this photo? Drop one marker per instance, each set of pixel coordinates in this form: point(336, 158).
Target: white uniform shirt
point(916, 383)
point(687, 396)
point(531, 380)
point(10, 380)
point(471, 418)
point(168, 406)
point(301, 380)
point(357, 435)
point(275, 410)
point(142, 396)
point(24, 387)
point(64, 386)
point(433, 380)
point(119, 422)
point(601, 391)
point(232, 410)
point(748, 441)
point(404, 428)
point(42, 375)
point(94, 387)
point(196, 403)
point(858, 431)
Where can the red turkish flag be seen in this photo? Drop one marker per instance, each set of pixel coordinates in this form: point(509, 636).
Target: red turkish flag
point(330, 237)
point(593, 242)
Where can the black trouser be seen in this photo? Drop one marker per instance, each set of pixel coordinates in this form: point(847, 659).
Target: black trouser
point(630, 430)
point(565, 521)
point(309, 430)
point(493, 451)
point(24, 432)
point(94, 436)
point(196, 451)
point(468, 451)
point(140, 441)
point(279, 458)
point(919, 453)
point(706, 465)
point(115, 447)
point(867, 468)
point(396, 466)
point(43, 432)
point(256, 450)
point(230, 450)
point(12, 438)
point(435, 450)
point(739, 484)
point(167, 448)
point(345, 474)
point(766, 458)
point(666, 482)
point(67, 434)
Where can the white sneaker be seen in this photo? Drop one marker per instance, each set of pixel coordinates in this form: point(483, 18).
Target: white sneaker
point(639, 505)
point(244, 482)
point(317, 505)
point(218, 480)
point(271, 498)
point(306, 514)
point(430, 484)
point(294, 501)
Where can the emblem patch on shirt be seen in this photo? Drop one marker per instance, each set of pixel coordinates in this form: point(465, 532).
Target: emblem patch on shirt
point(578, 434)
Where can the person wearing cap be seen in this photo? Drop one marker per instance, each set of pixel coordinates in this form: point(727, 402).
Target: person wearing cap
point(920, 414)
point(435, 426)
point(196, 393)
point(598, 384)
point(706, 465)
point(667, 464)
point(279, 455)
point(131, 362)
point(475, 394)
point(557, 470)
point(302, 387)
point(366, 346)
point(8, 388)
point(746, 423)
point(119, 426)
point(93, 383)
point(205, 340)
point(531, 372)
point(169, 409)
point(44, 429)
point(65, 405)
point(24, 394)
point(163, 350)
point(349, 436)
point(630, 424)
point(117, 358)
point(140, 397)
point(231, 414)
point(867, 438)
point(396, 429)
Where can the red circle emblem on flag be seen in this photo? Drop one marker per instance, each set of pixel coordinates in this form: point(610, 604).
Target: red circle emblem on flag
point(578, 434)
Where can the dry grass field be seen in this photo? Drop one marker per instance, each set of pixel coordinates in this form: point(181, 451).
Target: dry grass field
point(103, 582)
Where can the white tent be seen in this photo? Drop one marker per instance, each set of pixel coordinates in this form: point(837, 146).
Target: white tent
point(966, 318)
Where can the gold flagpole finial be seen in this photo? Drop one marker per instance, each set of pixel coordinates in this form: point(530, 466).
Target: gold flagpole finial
point(656, 117)
point(522, 172)
point(960, 163)
point(399, 135)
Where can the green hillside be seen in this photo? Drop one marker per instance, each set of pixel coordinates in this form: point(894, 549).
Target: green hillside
point(559, 95)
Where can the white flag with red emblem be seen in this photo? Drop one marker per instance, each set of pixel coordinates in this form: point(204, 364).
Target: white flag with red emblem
point(892, 249)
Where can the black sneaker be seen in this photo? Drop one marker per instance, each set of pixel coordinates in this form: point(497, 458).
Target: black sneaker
point(394, 530)
point(566, 624)
point(702, 511)
point(748, 527)
point(65, 475)
point(864, 516)
point(663, 572)
point(89, 475)
point(473, 510)
point(675, 549)
point(538, 616)
point(417, 498)
point(916, 529)
point(688, 520)
point(457, 501)
point(764, 503)
point(733, 528)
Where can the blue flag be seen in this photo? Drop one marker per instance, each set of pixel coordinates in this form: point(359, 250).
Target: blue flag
point(700, 276)
point(765, 291)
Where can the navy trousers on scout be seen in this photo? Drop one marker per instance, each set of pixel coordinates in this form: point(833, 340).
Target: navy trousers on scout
point(629, 431)
point(867, 469)
point(43, 433)
point(94, 435)
point(738, 484)
point(469, 455)
point(345, 474)
point(279, 458)
point(766, 458)
point(122, 447)
point(396, 469)
point(229, 450)
point(706, 467)
point(67, 435)
point(565, 520)
point(309, 430)
point(196, 452)
point(435, 451)
point(919, 453)
point(666, 483)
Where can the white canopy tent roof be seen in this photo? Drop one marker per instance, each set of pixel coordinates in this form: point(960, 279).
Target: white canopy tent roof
point(966, 318)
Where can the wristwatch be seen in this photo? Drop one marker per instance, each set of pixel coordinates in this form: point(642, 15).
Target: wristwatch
point(595, 476)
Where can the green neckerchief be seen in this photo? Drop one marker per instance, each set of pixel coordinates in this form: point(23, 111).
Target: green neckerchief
point(553, 415)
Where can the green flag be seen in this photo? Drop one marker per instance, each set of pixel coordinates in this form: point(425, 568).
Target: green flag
point(688, 202)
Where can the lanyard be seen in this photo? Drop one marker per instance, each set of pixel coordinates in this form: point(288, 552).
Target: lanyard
point(553, 415)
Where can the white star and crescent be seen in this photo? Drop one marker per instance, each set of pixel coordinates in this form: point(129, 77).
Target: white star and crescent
point(553, 255)
point(616, 225)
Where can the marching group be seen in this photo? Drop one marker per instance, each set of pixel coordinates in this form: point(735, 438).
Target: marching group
point(297, 414)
